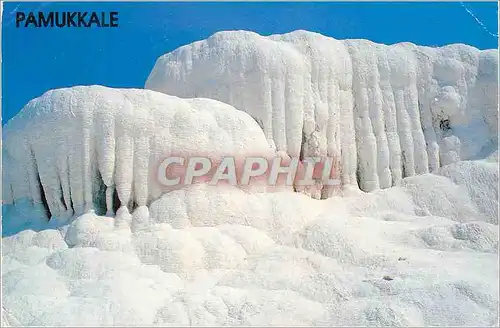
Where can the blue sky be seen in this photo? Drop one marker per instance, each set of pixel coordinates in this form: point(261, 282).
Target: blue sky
point(37, 60)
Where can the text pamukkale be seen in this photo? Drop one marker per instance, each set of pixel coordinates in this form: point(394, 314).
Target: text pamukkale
point(67, 19)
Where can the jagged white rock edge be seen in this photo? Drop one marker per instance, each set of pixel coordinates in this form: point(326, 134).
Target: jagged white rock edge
point(383, 110)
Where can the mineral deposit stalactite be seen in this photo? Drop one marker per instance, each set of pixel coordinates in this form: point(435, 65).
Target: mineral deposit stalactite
point(376, 107)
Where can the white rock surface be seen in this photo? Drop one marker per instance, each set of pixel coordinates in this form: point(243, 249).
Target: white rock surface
point(63, 141)
point(422, 253)
point(384, 110)
point(213, 257)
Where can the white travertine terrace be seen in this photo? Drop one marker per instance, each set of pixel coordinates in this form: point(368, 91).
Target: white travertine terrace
point(384, 112)
point(388, 112)
point(423, 253)
point(61, 142)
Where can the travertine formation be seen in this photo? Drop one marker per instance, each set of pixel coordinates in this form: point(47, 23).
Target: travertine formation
point(70, 146)
point(387, 111)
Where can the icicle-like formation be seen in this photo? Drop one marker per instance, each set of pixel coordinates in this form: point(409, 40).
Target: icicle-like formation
point(387, 111)
point(74, 148)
